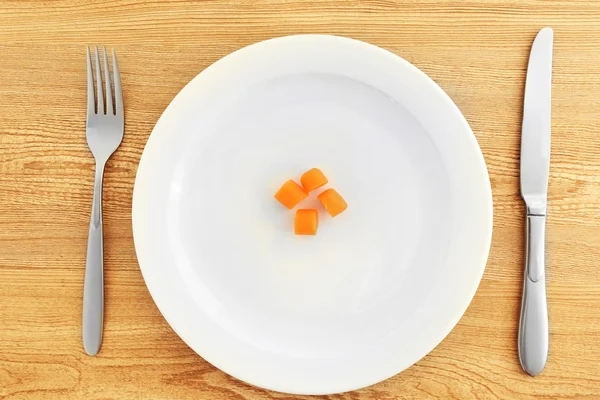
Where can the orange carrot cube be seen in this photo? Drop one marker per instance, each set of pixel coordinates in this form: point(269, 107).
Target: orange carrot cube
point(333, 202)
point(290, 194)
point(313, 179)
point(306, 222)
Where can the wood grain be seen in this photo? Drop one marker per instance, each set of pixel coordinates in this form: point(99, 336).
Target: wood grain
point(476, 51)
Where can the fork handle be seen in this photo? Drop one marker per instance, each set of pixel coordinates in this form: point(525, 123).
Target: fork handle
point(93, 289)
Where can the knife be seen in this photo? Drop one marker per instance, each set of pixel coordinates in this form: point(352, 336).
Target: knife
point(535, 168)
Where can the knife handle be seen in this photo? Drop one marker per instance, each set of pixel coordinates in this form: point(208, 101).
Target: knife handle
point(533, 327)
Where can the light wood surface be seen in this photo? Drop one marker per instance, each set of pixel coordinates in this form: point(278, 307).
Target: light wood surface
point(476, 51)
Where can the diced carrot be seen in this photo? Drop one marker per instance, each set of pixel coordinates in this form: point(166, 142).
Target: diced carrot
point(313, 179)
point(306, 222)
point(333, 202)
point(290, 194)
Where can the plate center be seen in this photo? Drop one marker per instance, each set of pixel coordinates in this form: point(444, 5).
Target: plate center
point(366, 271)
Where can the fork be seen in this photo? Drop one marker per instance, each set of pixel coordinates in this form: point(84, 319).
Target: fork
point(104, 132)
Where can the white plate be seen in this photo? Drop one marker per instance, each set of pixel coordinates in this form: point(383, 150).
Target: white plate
point(380, 285)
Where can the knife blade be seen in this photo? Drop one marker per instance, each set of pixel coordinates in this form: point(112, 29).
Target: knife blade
point(535, 168)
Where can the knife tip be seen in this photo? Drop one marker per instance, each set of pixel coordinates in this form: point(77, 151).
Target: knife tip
point(546, 31)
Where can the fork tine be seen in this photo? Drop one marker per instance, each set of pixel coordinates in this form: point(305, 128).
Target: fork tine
point(117, 81)
point(107, 84)
point(99, 84)
point(91, 107)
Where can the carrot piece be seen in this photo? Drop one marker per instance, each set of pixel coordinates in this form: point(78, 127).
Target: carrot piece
point(290, 194)
point(313, 179)
point(333, 202)
point(306, 222)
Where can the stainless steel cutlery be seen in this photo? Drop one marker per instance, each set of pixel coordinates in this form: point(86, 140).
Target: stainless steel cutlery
point(535, 167)
point(104, 132)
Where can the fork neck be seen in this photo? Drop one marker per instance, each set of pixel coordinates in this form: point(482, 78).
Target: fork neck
point(96, 220)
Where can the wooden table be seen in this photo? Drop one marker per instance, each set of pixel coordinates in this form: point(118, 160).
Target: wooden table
point(476, 51)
